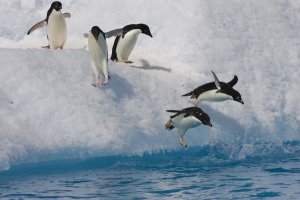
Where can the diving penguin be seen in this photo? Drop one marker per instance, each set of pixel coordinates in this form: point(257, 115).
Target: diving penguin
point(216, 91)
point(185, 119)
point(98, 51)
point(56, 26)
point(125, 43)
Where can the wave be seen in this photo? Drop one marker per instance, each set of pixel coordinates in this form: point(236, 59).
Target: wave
point(207, 157)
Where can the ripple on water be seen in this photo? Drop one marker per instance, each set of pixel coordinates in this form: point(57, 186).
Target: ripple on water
point(283, 170)
point(267, 194)
point(243, 188)
point(21, 195)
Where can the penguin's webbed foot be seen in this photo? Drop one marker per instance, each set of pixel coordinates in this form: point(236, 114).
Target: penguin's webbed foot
point(168, 124)
point(105, 82)
point(183, 143)
point(96, 83)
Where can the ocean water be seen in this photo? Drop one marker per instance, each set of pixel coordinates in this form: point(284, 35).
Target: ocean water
point(207, 172)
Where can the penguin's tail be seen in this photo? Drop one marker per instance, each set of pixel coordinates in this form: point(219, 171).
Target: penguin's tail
point(173, 111)
point(169, 125)
point(189, 94)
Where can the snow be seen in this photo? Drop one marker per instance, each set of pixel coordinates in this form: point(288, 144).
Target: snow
point(47, 103)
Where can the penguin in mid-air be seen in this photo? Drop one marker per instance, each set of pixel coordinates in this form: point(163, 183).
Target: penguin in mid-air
point(56, 26)
point(98, 51)
point(216, 91)
point(125, 43)
point(185, 119)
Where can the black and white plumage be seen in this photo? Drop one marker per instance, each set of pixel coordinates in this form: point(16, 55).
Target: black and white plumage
point(98, 51)
point(216, 91)
point(185, 119)
point(56, 26)
point(125, 43)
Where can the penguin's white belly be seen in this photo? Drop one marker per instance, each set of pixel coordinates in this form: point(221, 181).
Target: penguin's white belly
point(184, 123)
point(126, 44)
point(212, 95)
point(57, 30)
point(98, 52)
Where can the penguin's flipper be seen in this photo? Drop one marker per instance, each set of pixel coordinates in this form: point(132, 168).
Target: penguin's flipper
point(217, 82)
point(40, 24)
point(86, 35)
point(178, 112)
point(174, 111)
point(67, 15)
point(233, 81)
point(186, 115)
point(116, 32)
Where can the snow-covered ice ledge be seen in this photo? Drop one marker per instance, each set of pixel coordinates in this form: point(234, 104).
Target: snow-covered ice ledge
point(47, 103)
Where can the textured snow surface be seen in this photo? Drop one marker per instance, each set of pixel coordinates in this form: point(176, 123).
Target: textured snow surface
point(49, 108)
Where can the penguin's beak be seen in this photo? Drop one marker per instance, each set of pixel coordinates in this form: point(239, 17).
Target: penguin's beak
point(149, 34)
point(240, 100)
point(208, 124)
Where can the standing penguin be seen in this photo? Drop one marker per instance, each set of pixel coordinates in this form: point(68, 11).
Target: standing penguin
point(125, 43)
point(98, 51)
point(185, 119)
point(56, 26)
point(216, 91)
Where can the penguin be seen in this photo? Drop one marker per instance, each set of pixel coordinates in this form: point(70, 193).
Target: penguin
point(124, 44)
point(185, 119)
point(98, 52)
point(216, 91)
point(56, 26)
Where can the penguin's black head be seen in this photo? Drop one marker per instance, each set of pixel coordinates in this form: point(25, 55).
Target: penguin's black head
point(56, 5)
point(237, 97)
point(202, 116)
point(145, 29)
point(227, 89)
point(96, 31)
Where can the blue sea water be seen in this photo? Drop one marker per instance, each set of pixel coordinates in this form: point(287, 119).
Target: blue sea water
point(206, 172)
